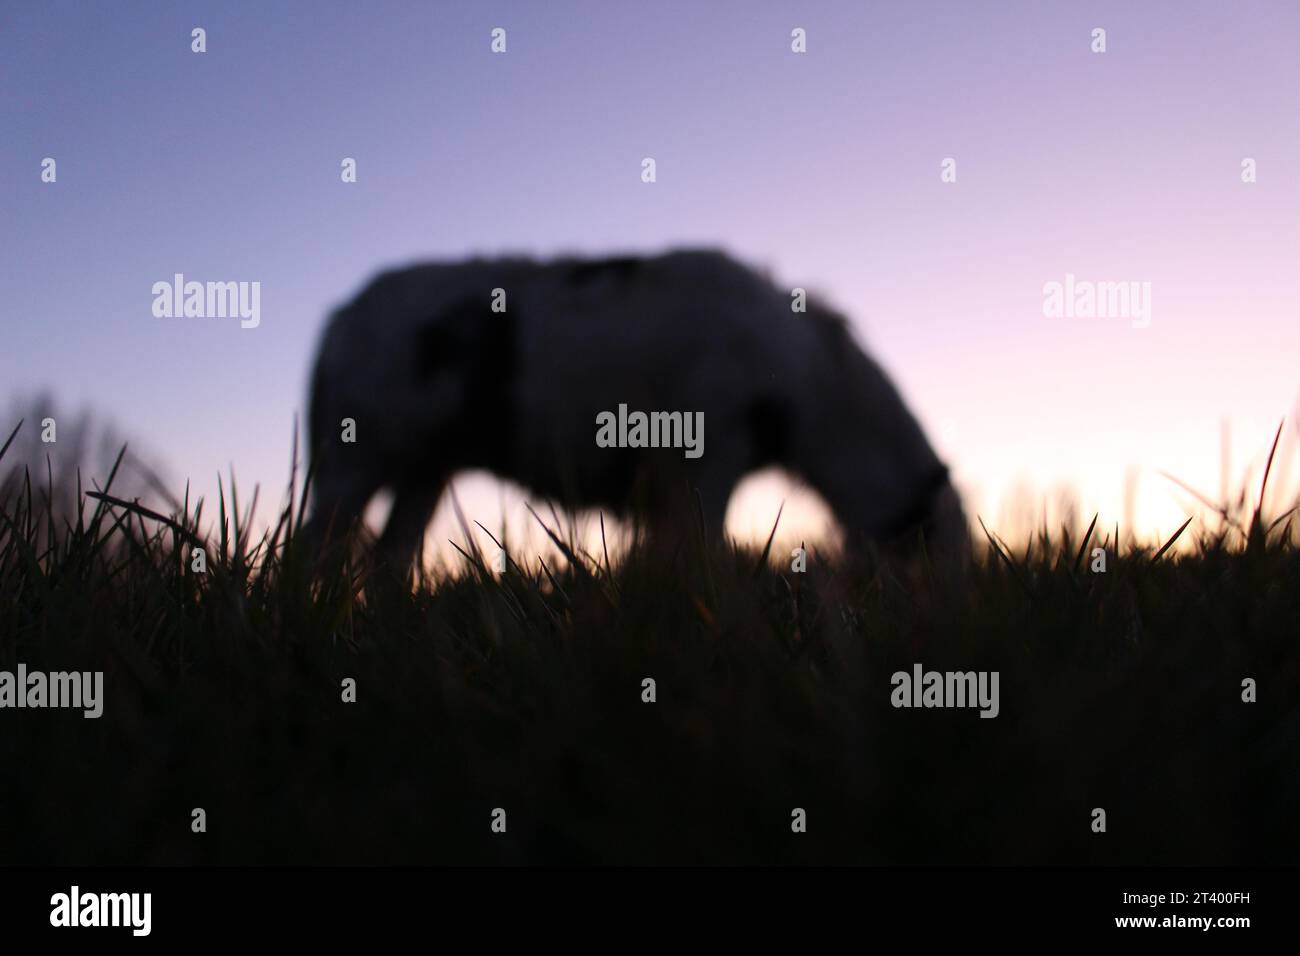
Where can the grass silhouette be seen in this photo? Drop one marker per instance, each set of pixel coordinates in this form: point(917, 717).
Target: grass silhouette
point(522, 689)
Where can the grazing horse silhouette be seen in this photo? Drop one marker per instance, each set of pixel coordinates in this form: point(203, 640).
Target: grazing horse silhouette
point(519, 367)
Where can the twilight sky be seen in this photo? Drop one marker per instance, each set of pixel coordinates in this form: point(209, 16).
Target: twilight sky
point(822, 167)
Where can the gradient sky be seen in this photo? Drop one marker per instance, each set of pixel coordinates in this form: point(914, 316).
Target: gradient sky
point(823, 168)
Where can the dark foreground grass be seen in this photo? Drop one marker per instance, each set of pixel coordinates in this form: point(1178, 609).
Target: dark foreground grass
point(1120, 690)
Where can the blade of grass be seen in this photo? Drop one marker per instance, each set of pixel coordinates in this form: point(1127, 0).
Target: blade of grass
point(1169, 544)
point(139, 509)
point(1255, 539)
point(1015, 571)
point(569, 556)
point(10, 440)
point(1078, 558)
point(767, 548)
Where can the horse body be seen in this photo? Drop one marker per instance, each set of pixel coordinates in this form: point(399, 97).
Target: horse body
point(508, 365)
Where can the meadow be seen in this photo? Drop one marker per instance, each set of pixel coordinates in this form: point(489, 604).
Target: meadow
point(523, 690)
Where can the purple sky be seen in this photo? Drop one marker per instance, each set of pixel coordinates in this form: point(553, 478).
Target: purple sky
point(823, 167)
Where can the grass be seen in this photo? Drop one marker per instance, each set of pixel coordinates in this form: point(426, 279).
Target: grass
point(523, 690)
